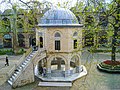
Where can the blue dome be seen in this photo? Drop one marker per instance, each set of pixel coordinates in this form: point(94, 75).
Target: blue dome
point(58, 16)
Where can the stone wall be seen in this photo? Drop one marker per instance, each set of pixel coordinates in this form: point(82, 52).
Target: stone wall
point(27, 76)
point(66, 39)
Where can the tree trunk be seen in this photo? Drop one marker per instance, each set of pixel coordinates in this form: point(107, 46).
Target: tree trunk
point(15, 37)
point(116, 29)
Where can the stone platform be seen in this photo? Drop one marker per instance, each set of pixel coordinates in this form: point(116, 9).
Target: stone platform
point(66, 84)
point(64, 79)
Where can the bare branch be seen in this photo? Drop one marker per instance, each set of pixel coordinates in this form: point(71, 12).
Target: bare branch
point(26, 4)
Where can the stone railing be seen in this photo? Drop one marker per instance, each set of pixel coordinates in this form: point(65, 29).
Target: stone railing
point(40, 55)
point(10, 72)
point(28, 51)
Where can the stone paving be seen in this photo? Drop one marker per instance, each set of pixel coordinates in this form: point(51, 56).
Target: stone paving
point(5, 69)
point(94, 80)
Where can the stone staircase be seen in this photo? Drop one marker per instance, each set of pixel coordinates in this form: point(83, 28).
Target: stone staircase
point(21, 68)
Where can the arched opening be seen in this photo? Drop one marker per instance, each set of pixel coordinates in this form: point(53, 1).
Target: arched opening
point(30, 41)
point(7, 41)
point(6, 23)
point(21, 40)
point(41, 42)
point(75, 43)
point(40, 68)
point(34, 42)
point(74, 63)
point(57, 67)
point(57, 41)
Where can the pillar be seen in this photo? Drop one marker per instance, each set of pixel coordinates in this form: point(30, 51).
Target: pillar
point(67, 68)
point(48, 69)
point(59, 64)
point(78, 65)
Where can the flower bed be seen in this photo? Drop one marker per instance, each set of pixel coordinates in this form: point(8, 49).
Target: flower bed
point(110, 66)
point(109, 62)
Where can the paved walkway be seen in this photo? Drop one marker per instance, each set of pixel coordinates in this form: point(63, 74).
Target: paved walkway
point(4, 70)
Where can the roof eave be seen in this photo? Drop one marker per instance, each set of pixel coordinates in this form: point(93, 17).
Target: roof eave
point(60, 25)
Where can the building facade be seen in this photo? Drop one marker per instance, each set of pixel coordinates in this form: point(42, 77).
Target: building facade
point(60, 34)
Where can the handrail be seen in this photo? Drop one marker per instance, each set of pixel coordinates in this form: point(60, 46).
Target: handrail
point(28, 51)
point(26, 65)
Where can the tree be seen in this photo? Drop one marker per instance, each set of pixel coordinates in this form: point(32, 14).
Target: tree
point(22, 19)
point(98, 15)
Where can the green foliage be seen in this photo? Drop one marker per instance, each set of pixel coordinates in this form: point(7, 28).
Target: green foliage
point(6, 51)
point(20, 51)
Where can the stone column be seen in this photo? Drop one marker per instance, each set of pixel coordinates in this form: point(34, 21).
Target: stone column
point(48, 69)
point(78, 69)
point(78, 65)
point(59, 64)
point(67, 68)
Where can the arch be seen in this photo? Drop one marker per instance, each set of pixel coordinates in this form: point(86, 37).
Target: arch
point(75, 34)
point(60, 56)
point(75, 45)
point(33, 41)
point(57, 63)
point(52, 57)
point(21, 40)
point(7, 41)
point(41, 42)
point(57, 34)
point(76, 59)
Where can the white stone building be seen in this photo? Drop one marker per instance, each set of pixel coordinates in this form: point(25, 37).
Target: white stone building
point(60, 34)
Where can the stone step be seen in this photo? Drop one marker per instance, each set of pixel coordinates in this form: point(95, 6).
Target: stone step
point(10, 82)
point(68, 84)
point(24, 63)
point(13, 77)
point(15, 74)
point(20, 68)
point(28, 59)
point(31, 55)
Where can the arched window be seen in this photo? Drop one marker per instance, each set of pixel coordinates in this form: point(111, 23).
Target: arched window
point(7, 41)
point(21, 40)
point(41, 42)
point(57, 34)
point(75, 34)
point(57, 41)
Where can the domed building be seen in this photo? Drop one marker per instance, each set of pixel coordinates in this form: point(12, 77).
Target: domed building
point(60, 34)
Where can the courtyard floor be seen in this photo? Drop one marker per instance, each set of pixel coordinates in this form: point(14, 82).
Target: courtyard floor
point(94, 80)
